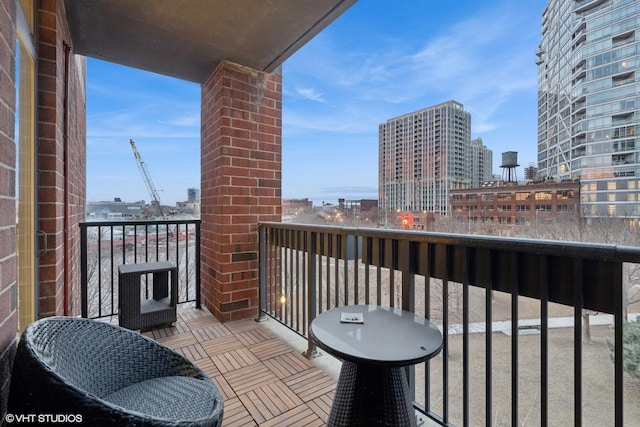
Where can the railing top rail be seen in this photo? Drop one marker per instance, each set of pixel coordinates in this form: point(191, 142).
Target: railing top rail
point(85, 224)
point(585, 250)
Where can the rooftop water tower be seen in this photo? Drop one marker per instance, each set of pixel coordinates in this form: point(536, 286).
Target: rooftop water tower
point(509, 165)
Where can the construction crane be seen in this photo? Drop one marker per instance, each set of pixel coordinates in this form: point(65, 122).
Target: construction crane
point(155, 198)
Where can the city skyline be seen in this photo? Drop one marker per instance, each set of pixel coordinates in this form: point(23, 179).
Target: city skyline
point(374, 63)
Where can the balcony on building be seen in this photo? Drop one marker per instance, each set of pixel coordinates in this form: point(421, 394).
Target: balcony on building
point(514, 312)
point(528, 322)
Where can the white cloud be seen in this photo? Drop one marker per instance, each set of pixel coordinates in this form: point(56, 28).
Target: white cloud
point(310, 94)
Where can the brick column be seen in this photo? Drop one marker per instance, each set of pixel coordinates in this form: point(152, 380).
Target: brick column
point(241, 171)
point(61, 188)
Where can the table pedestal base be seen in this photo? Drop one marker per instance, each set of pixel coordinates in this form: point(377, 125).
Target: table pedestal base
point(368, 395)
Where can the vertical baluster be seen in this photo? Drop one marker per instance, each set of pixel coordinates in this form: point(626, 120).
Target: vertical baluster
point(577, 337)
point(112, 280)
point(262, 273)
point(544, 340)
point(100, 268)
point(515, 289)
point(345, 264)
point(445, 334)
point(427, 315)
point(618, 312)
point(392, 272)
point(290, 299)
point(328, 260)
point(367, 267)
point(84, 282)
point(336, 252)
point(320, 241)
point(186, 261)
point(381, 246)
point(197, 262)
point(356, 270)
point(465, 336)
point(311, 262)
point(488, 336)
point(297, 302)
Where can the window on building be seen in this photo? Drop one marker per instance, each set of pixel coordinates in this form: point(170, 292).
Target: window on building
point(565, 195)
point(543, 208)
point(543, 195)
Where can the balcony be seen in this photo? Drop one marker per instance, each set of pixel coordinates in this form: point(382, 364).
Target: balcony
point(540, 299)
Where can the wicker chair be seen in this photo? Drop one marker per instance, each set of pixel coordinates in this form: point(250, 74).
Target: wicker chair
point(108, 375)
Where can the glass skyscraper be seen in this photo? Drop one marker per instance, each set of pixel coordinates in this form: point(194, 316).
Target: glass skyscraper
point(589, 100)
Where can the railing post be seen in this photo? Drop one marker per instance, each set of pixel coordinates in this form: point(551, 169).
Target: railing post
point(84, 300)
point(311, 292)
point(262, 272)
point(197, 260)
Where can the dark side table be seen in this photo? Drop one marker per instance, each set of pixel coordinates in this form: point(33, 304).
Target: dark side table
point(372, 388)
point(140, 313)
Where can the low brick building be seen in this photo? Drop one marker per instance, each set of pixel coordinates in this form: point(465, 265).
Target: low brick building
point(516, 204)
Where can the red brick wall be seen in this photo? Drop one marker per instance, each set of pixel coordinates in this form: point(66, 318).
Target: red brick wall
point(241, 183)
point(61, 122)
point(8, 259)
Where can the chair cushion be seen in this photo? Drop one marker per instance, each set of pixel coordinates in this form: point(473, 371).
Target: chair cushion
point(173, 398)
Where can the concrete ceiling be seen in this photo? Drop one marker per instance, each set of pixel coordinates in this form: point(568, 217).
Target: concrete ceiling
point(186, 39)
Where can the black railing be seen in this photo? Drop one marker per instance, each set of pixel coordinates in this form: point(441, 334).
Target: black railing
point(106, 245)
point(526, 370)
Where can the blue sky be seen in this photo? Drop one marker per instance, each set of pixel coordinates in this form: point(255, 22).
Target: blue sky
point(379, 60)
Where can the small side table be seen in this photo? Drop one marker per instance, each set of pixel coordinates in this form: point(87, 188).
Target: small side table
point(137, 313)
point(372, 388)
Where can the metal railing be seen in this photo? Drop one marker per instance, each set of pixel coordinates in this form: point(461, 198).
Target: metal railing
point(106, 245)
point(468, 285)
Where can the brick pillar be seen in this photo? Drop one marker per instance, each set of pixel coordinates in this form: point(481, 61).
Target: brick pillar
point(241, 171)
point(61, 188)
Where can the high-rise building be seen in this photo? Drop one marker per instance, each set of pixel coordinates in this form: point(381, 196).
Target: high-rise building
point(193, 195)
point(530, 172)
point(480, 162)
point(422, 155)
point(588, 104)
